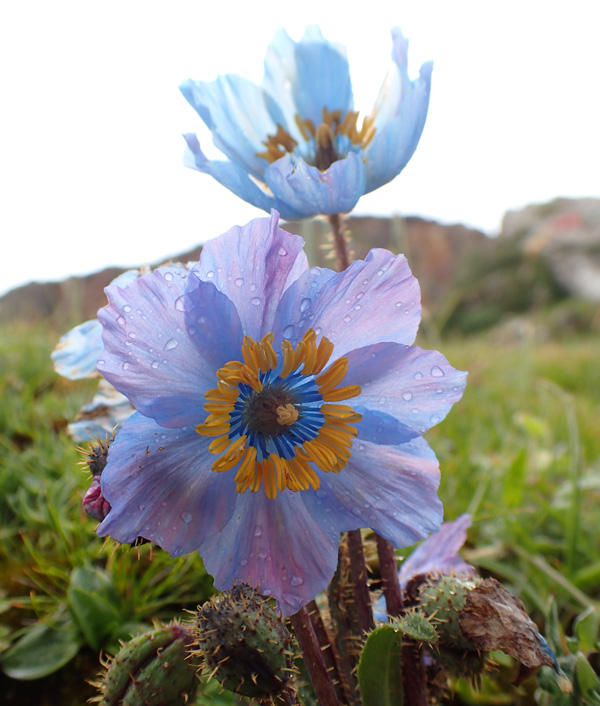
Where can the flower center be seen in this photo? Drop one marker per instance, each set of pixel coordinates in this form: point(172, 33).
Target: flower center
point(328, 140)
point(276, 417)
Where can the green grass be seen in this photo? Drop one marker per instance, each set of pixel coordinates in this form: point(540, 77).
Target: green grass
point(521, 452)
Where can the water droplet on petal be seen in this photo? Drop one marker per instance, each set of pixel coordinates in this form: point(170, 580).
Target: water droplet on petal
point(437, 372)
point(131, 334)
point(418, 376)
point(239, 281)
point(180, 303)
point(168, 276)
point(379, 273)
point(121, 321)
point(258, 530)
point(126, 308)
point(407, 396)
point(101, 363)
point(154, 364)
point(304, 304)
point(255, 301)
point(347, 318)
point(282, 251)
point(347, 301)
point(358, 306)
point(210, 275)
point(244, 562)
point(262, 555)
point(142, 507)
point(170, 344)
point(186, 517)
point(267, 592)
point(288, 331)
point(252, 287)
point(360, 295)
point(125, 366)
point(398, 304)
point(296, 581)
point(434, 419)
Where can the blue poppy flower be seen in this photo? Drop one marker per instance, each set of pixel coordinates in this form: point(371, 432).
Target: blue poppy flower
point(295, 143)
point(277, 406)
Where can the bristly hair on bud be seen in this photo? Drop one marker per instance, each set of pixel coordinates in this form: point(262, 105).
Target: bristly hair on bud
point(243, 644)
point(152, 669)
point(96, 457)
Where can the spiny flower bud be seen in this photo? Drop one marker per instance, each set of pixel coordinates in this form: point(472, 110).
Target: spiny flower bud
point(244, 644)
point(151, 670)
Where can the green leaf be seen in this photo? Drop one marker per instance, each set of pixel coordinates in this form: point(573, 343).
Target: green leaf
point(416, 625)
point(586, 627)
point(41, 651)
point(379, 669)
point(94, 603)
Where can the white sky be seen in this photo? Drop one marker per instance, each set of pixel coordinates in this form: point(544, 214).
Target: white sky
point(90, 145)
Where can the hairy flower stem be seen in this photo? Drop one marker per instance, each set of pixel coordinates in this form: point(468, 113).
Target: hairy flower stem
point(329, 651)
point(340, 241)
point(358, 572)
point(313, 658)
point(389, 576)
point(414, 676)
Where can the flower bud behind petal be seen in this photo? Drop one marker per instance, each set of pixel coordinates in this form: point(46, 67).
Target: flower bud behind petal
point(151, 670)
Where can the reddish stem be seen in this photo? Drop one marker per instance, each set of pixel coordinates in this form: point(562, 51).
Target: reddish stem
point(389, 576)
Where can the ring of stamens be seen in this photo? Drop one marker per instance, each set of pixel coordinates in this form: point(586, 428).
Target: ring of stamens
point(324, 136)
point(276, 417)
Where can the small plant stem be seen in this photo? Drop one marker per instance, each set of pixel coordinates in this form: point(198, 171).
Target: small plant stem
point(389, 576)
point(340, 241)
point(414, 676)
point(313, 658)
point(329, 652)
point(358, 572)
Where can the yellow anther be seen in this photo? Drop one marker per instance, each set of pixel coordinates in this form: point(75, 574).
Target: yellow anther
point(333, 375)
point(287, 415)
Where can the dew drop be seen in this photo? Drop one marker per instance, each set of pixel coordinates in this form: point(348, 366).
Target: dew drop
point(142, 507)
point(252, 287)
point(262, 555)
point(121, 321)
point(154, 364)
point(318, 330)
point(244, 562)
point(168, 276)
point(347, 318)
point(360, 295)
point(125, 366)
point(239, 281)
point(407, 396)
point(304, 304)
point(439, 391)
point(258, 530)
point(180, 303)
point(127, 308)
point(210, 275)
point(382, 400)
point(131, 334)
point(347, 301)
point(398, 304)
point(170, 344)
point(296, 581)
point(380, 273)
point(267, 592)
point(361, 447)
point(186, 517)
point(358, 306)
point(434, 419)
point(255, 301)
point(418, 376)
point(437, 372)
point(101, 363)
point(282, 251)
point(365, 281)
point(288, 331)
point(415, 411)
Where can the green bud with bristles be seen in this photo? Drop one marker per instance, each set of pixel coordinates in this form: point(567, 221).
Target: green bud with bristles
point(151, 670)
point(243, 644)
point(441, 599)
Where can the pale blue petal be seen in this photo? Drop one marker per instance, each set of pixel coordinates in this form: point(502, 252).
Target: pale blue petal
point(374, 300)
point(311, 191)
point(150, 353)
point(77, 351)
point(310, 75)
point(439, 552)
point(395, 141)
point(160, 486)
point(253, 265)
point(239, 114)
point(391, 489)
point(103, 416)
point(415, 386)
point(277, 545)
